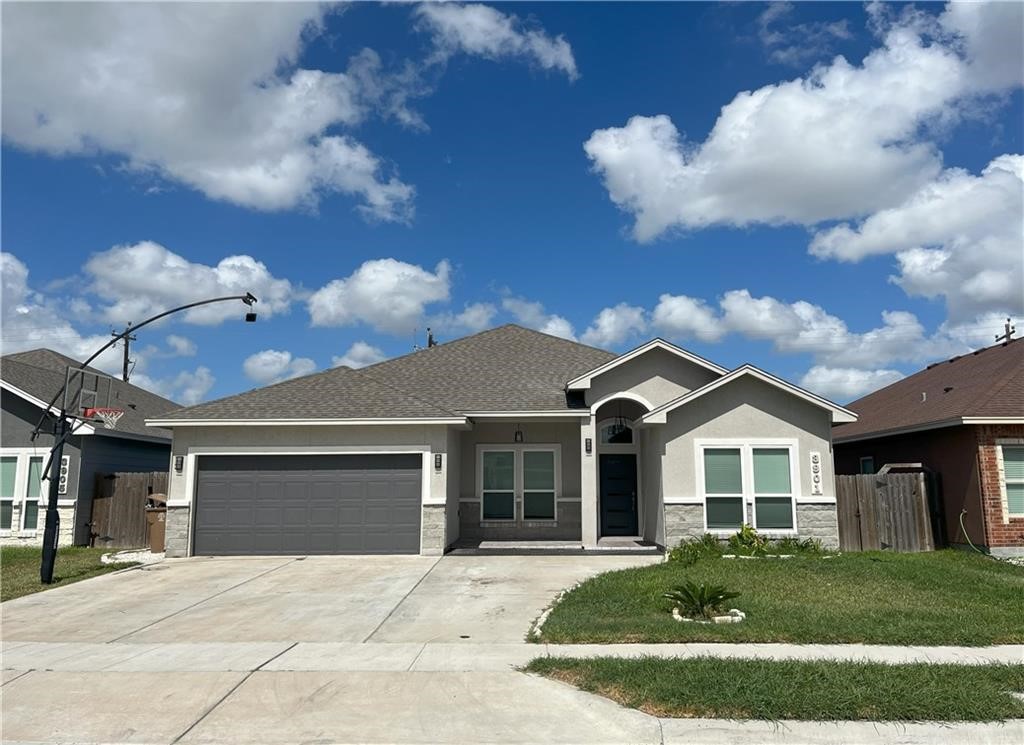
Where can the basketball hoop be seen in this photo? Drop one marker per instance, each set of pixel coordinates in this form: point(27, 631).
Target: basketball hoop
point(108, 416)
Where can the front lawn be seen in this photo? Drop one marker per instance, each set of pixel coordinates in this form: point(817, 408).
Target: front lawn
point(943, 597)
point(19, 568)
point(767, 689)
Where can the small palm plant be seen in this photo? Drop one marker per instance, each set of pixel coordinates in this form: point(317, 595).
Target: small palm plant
point(700, 600)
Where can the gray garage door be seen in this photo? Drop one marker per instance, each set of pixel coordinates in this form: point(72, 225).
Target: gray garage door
point(308, 504)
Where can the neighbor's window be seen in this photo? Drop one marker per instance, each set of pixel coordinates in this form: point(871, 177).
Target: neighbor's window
point(1013, 477)
point(773, 489)
point(723, 488)
point(30, 513)
point(498, 498)
point(8, 469)
point(867, 464)
point(538, 485)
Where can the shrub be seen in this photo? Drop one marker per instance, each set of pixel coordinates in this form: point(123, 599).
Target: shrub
point(690, 551)
point(700, 600)
point(748, 541)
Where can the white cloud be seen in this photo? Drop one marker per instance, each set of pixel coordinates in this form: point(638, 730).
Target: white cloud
point(845, 383)
point(797, 43)
point(532, 315)
point(613, 326)
point(360, 354)
point(684, 317)
point(387, 294)
point(143, 279)
point(234, 118)
point(474, 317)
point(844, 141)
point(486, 32)
point(181, 346)
point(188, 387)
point(960, 237)
point(30, 320)
point(273, 366)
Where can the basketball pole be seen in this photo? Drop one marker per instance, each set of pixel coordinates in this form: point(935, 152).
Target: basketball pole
point(63, 429)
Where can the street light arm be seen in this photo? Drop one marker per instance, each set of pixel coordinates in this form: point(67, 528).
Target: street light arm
point(248, 298)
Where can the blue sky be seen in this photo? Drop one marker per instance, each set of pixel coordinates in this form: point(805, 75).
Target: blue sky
point(714, 174)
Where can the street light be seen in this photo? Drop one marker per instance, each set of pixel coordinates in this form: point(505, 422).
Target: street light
point(62, 429)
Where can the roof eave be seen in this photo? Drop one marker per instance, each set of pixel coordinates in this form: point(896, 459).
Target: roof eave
point(317, 422)
point(958, 421)
point(839, 414)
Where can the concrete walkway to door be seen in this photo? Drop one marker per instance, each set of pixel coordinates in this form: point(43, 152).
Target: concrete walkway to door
point(352, 649)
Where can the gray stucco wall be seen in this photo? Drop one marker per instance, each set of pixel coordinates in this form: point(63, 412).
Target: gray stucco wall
point(453, 469)
point(748, 409)
point(652, 491)
point(657, 376)
point(566, 434)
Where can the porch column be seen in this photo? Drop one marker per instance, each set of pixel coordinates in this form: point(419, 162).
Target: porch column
point(588, 482)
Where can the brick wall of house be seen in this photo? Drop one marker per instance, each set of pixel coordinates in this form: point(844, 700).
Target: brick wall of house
point(1000, 533)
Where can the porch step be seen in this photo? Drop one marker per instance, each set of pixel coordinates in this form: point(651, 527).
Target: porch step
point(552, 548)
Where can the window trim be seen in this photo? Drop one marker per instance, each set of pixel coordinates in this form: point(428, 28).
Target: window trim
point(23, 457)
point(518, 491)
point(860, 465)
point(746, 446)
point(1002, 442)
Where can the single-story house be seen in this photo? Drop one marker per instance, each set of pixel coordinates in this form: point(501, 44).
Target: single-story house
point(28, 381)
point(506, 435)
point(963, 419)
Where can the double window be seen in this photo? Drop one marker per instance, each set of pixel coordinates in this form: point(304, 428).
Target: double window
point(20, 484)
point(1013, 479)
point(518, 475)
point(737, 475)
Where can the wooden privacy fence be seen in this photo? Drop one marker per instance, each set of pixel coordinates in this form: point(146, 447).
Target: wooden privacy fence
point(886, 511)
point(119, 508)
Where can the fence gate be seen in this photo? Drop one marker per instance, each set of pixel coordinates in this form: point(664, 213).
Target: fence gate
point(884, 511)
point(119, 508)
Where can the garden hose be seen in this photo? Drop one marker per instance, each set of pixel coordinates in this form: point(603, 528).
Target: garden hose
point(962, 513)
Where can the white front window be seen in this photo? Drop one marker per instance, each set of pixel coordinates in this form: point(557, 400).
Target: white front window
point(21, 484)
point(733, 476)
point(1013, 479)
point(518, 481)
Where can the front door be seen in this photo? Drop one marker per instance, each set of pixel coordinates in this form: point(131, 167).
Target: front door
point(618, 494)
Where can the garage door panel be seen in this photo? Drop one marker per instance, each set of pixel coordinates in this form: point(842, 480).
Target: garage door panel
point(308, 504)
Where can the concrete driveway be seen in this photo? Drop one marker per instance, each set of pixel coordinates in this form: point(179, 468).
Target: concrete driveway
point(326, 649)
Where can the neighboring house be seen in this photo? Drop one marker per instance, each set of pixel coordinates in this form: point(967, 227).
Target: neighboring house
point(507, 435)
point(28, 381)
point(964, 420)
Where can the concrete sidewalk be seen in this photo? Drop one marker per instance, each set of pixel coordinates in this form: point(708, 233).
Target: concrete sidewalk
point(202, 657)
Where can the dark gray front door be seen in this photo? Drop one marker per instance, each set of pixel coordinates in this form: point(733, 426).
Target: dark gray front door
point(618, 494)
point(308, 504)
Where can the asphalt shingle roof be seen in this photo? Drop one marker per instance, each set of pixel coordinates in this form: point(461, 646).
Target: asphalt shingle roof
point(41, 373)
point(509, 368)
point(986, 383)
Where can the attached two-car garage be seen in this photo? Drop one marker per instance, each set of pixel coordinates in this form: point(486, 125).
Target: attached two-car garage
point(308, 504)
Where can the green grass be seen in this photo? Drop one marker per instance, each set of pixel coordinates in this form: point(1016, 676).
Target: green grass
point(19, 568)
point(943, 597)
point(767, 689)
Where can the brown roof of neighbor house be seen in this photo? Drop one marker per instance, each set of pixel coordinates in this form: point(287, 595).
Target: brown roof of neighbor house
point(509, 368)
point(986, 383)
point(41, 373)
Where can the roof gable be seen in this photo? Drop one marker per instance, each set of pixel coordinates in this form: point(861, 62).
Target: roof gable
point(986, 384)
point(660, 414)
point(583, 382)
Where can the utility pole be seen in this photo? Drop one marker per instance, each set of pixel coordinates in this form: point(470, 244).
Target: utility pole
point(128, 338)
point(1008, 331)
